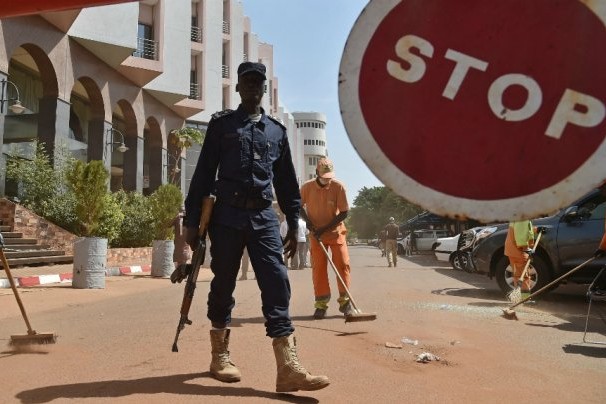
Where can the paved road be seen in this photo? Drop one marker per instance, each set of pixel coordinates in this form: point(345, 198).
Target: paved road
point(114, 344)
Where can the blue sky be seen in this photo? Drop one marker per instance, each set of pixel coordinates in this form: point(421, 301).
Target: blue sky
point(308, 38)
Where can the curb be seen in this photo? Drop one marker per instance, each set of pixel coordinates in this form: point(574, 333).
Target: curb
point(29, 281)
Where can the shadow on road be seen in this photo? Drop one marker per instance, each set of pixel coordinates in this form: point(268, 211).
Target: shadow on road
point(238, 322)
point(175, 384)
point(585, 350)
point(21, 350)
point(471, 292)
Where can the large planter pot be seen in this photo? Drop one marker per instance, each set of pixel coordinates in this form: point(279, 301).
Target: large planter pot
point(162, 258)
point(90, 261)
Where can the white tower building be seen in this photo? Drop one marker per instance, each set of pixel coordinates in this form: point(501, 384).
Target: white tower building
point(312, 129)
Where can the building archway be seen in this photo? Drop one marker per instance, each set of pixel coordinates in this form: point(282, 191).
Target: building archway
point(86, 121)
point(125, 166)
point(33, 81)
point(154, 157)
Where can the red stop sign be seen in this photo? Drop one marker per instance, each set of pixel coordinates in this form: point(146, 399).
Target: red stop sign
point(489, 110)
point(19, 8)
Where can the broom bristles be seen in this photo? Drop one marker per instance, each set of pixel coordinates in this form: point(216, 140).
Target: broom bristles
point(510, 314)
point(33, 339)
point(515, 295)
point(359, 316)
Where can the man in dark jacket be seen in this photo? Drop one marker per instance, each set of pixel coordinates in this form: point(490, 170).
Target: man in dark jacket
point(244, 153)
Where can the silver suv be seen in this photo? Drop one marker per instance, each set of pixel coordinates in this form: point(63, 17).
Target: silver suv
point(426, 239)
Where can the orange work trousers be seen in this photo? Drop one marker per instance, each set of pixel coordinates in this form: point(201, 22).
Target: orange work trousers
point(340, 257)
point(518, 264)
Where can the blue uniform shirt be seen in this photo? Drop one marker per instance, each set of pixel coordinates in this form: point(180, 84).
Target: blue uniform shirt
point(239, 162)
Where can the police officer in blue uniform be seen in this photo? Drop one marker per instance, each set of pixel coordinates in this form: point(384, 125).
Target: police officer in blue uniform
point(244, 153)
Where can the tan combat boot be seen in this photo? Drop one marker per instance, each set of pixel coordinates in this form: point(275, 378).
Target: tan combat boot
point(221, 366)
point(291, 375)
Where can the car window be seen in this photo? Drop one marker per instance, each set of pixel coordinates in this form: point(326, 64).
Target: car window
point(598, 212)
point(596, 208)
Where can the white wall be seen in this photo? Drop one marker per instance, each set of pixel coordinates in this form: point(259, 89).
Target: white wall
point(176, 49)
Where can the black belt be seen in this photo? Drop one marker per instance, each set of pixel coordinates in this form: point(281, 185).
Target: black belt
point(252, 204)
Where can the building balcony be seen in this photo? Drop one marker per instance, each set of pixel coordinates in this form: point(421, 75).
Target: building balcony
point(194, 91)
point(225, 71)
point(196, 34)
point(226, 27)
point(146, 49)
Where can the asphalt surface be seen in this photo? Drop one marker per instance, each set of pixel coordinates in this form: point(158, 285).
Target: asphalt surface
point(114, 344)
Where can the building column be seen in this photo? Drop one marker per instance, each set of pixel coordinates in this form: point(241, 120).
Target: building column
point(133, 163)
point(53, 124)
point(2, 155)
point(181, 175)
point(98, 137)
point(157, 167)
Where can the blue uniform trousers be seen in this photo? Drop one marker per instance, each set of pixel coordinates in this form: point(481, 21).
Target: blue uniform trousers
point(265, 251)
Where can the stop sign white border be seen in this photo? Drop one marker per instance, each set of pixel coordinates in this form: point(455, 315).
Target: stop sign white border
point(590, 174)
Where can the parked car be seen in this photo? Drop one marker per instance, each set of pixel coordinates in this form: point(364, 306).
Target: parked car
point(426, 240)
point(373, 242)
point(445, 248)
point(571, 237)
point(457, 249)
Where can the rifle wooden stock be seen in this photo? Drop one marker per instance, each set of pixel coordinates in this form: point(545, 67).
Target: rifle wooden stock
point(196, 262)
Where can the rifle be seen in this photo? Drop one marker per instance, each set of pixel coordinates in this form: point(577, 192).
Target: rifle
point(191, 270)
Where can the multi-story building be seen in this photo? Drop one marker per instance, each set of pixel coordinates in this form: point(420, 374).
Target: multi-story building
point(110, 83)
point(312, 130)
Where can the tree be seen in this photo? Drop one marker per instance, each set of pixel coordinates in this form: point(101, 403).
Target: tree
point(373, 207)
point(183, 139)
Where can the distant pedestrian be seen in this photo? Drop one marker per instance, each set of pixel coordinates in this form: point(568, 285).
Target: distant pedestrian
point(407, 248)
point(182, 252)
point(244, 265)
point(302, 233)
point(413, 243)
point(392, 232)
point(382, 242)
point(292, 262)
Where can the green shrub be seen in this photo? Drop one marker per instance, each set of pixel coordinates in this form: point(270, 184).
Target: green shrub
point(62, 211)
point(39, 181)
point(137, 227)
point(88, 183)
point(111, 218)
point(165, 204)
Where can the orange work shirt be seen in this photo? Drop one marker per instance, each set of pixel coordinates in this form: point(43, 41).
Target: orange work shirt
point(323, 204)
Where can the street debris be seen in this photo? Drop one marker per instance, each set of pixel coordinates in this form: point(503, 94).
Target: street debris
point(390, 345)
point(427, 357)
point(408, 341)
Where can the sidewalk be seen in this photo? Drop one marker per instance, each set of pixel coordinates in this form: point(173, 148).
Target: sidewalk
point(60, 273)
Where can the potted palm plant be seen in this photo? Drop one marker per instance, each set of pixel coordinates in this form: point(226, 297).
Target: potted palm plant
point(88, 184)
point(165, 205)
point(182, 138)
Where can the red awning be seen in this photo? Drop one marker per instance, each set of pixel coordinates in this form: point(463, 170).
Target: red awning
point(24, 7)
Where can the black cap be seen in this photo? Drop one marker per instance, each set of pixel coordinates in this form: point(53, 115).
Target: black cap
point(250, 67)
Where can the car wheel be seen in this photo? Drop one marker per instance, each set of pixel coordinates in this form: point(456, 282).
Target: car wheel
point(538, 271)
point(457, 260)
point(400, 249)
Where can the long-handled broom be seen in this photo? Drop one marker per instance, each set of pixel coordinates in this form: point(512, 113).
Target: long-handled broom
point(516, 294)
point(510, 314)
point(357, 314)
point(32, 337)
